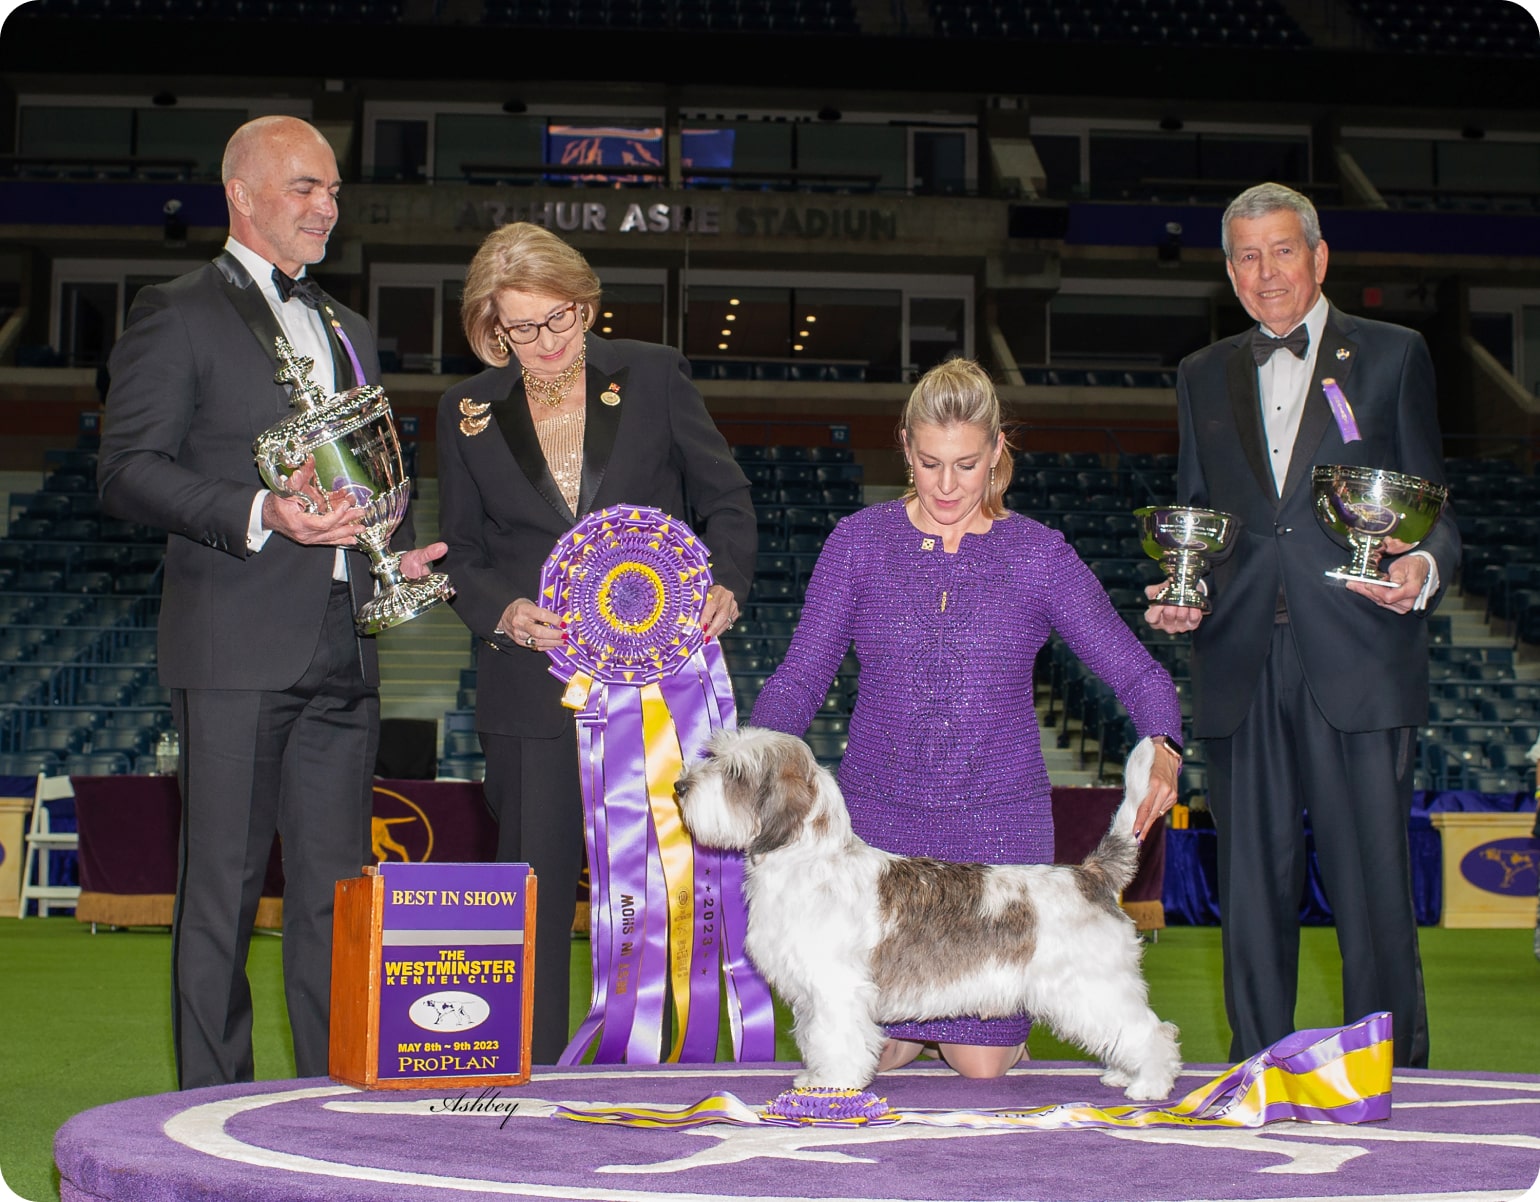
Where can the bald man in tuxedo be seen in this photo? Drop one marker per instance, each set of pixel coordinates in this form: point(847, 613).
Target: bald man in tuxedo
point(274, 695)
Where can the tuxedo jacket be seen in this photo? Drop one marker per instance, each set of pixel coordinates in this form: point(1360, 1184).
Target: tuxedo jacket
point(1366, 666)
point(501, 512)
point(192, 388)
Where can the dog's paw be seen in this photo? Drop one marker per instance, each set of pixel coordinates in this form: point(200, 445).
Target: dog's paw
point(1148, 1090)
point(1149, 1084)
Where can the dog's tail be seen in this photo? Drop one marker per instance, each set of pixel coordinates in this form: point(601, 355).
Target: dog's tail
point(1116, 858)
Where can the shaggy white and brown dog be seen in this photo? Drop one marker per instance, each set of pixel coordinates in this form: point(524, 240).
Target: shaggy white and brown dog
point(853, 937)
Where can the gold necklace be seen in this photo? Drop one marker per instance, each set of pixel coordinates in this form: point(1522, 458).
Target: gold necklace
point(551, 393)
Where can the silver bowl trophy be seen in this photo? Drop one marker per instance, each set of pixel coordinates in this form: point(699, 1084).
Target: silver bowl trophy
point(358, 452)
point(1187, 542)
point(1363, 506)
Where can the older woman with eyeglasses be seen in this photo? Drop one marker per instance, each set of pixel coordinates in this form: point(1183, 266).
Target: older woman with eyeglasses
point(561, 423)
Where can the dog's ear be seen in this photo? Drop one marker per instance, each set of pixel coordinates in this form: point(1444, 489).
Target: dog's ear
point(785, 799)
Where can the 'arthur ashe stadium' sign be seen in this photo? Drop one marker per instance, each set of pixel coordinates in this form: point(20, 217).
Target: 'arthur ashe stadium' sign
point(748, 221)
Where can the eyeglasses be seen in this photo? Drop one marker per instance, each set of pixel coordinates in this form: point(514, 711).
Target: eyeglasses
point(560, 322)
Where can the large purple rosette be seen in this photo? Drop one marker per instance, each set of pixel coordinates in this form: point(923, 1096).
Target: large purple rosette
point(667, 918)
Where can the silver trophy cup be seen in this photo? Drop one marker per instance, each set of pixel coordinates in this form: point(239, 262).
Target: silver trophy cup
point(1187, 542)
point(357, 451)
point(1363, 506)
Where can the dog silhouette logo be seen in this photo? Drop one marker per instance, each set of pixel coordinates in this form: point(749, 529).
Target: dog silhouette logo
point(1510, 867)
point(450, 1010)
point(399, 829)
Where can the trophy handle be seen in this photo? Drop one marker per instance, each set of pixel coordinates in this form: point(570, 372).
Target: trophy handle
point(276, 464)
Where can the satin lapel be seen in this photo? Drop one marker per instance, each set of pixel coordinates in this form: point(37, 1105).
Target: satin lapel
point(1316, 419)
point(601, 423)
point(518, 428)
point(254, 311)
point(1246, 407)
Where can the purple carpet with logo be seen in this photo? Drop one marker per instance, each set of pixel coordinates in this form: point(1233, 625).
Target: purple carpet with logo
point(1451, 1136)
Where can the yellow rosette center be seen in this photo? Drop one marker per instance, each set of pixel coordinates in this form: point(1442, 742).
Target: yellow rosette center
point(620, 577)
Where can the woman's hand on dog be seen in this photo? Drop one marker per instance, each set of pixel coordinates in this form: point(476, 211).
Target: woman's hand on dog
point(1160, 798)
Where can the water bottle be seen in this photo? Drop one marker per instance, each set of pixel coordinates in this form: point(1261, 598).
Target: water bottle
point(168, 749)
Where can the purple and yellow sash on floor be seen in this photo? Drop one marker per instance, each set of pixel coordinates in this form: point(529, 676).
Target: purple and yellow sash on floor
point(667, 919)
point(1322, 1076)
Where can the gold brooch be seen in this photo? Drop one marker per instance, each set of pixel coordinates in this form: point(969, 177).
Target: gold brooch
point(611, 395)
point(474, 416)
point(927, 544)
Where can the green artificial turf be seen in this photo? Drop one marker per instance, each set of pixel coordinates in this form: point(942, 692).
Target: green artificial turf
point(87, 1017)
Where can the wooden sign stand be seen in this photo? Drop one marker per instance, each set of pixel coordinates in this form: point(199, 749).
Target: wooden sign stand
point(433, 976)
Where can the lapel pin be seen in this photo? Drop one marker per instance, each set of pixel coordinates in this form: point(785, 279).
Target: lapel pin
point(474, 416)
point(1343, 353)
point(611, 395)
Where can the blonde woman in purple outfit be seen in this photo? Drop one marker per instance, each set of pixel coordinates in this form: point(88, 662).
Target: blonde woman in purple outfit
point(947, 597)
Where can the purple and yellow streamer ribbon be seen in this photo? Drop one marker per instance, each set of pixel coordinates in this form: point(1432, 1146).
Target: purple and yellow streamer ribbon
point(676, 852)
point(667, 919)
point(700, 696)
point(1318, 1076)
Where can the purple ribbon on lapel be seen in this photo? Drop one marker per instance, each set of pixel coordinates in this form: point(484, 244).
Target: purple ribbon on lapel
point(1347, 425)
point(630, 582)
point(359, 379)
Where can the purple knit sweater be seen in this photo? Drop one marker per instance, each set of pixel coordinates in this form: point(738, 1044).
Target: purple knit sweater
point(944, 756)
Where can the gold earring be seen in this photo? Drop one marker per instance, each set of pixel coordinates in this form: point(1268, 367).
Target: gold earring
point(909, 471)
point(502, 344)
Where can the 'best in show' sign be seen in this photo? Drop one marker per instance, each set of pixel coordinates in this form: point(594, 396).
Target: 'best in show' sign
point(432, 975)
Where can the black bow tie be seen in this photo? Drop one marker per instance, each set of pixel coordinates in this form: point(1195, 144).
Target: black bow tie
point(305, 290)
point(1264, 344)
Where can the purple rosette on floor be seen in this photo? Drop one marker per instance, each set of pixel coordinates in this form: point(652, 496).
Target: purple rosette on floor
point(667, 918)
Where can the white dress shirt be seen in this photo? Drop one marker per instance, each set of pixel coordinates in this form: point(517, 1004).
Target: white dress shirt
point(1283, 383)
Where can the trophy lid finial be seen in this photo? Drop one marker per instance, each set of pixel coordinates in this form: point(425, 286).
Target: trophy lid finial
point(295, 370)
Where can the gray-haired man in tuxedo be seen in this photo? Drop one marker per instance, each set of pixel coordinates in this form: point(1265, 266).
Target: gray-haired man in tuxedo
point(274, 695)
point(1308, 692)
